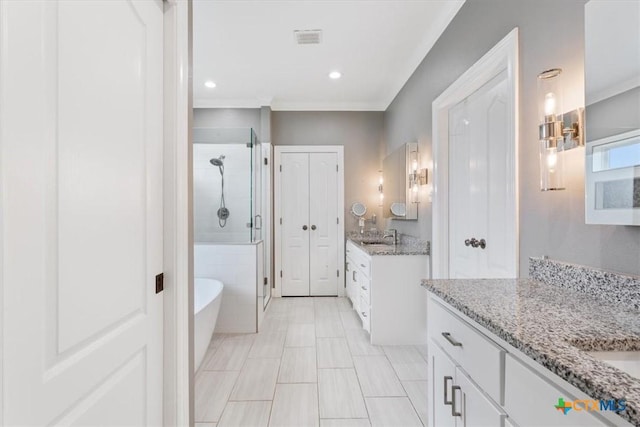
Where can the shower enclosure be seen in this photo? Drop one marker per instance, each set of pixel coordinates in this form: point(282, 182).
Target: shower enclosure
point(229, 209)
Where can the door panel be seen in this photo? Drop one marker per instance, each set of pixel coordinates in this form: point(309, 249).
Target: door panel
point(294, 202)
point(481, 184)
point(323, 214)
point(82, 172)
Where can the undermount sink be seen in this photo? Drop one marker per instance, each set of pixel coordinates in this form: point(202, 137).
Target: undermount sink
point(376, 243)
point(626, 361)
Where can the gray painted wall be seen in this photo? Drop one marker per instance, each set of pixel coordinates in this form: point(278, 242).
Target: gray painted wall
point(359, 132)
point(551, 223)
point(228, 118)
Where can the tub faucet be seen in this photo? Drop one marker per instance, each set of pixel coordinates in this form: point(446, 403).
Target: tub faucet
point(392, 232)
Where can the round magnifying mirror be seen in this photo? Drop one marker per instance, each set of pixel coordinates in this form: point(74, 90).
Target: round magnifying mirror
point(358, 209)
point(398, 209)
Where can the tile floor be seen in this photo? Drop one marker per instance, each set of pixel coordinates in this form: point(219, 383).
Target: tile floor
point(311, 365)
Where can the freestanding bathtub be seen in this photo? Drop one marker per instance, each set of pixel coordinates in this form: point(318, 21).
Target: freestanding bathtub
point(207, 294)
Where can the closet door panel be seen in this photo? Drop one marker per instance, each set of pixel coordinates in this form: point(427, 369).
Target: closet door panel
point(323, 215)
point(295, 218)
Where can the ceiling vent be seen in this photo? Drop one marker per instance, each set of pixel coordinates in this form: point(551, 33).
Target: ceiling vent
point(308, 36)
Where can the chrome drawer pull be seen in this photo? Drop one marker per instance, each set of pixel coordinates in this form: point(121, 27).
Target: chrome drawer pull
point(363, 288)
point(363, 314)
point(453, 342)
point(446, 380)
point(453, 401)
point(362, 265)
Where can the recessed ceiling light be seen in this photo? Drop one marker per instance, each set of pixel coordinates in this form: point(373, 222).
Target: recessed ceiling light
point(335, 75)
point(210, 84)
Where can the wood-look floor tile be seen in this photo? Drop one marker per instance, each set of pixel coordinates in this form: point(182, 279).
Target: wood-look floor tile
point(392, 412)
point(350, 320)
point(246, 414)
point(298, 365)
point(257, 380)
point(329, 326)
point(377, 377)
point(301, 335)
point(417, 392)
point(340, 395)
point(345, 422)
point(333, 353)
point(295, 405)
point(360, 345)
point(268, 345)
point(411, 371)
point(231, 354)
point(402, 354)
point(212, 390)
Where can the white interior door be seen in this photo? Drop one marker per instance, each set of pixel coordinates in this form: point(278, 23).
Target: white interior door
point(480, 184)
point(81, 134)
point(294, 214)
point(323, 217)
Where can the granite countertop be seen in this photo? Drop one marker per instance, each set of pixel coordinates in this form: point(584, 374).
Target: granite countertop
point(402, 248)
point(555, 326)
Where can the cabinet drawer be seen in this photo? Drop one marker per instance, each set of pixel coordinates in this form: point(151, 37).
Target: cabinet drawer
point(480, 357)
point(530, 399)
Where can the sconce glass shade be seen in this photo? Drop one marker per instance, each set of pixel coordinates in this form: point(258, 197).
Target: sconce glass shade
point(550, 132)
point(551, 166)
point(550, 97)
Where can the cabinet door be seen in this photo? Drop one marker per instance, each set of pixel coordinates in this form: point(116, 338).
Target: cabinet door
point(472, 406)
point(349, 279)
point(355, 294)
point(442, 378)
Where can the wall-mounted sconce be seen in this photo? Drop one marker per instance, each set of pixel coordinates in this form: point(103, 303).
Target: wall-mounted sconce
point(380, 188)
point(558, 132)
point(417, 176)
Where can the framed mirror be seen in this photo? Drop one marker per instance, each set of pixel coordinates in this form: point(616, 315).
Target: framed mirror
point(399, 200)
point(612, 113)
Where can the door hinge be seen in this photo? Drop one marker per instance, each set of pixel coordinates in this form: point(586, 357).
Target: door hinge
point(337, 273)
point(280, 273)
point(266, 161)
point(336, 168)
point(280, 168)
point(280, 221)
point(338, 220)
point(159, 283)
point(265, 281)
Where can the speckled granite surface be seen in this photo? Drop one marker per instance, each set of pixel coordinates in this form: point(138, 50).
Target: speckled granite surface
point(554, 326)
point(407, 245)
point(612, 287)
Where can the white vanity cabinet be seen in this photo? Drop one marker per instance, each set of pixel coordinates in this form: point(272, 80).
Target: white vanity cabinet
point(476, 379)
point(385, 292)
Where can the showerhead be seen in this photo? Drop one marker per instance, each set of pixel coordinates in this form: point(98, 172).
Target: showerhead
point(218, 162)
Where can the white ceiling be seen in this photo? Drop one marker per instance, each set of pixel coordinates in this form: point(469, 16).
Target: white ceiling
point(248, 49)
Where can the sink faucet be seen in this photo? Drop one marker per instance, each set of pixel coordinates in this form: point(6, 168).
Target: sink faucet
point(392, 232)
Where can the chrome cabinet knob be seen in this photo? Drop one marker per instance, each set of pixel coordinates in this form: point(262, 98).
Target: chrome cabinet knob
point(467, 242)
point(482, 243)
point(313, 227)
point(304, 227)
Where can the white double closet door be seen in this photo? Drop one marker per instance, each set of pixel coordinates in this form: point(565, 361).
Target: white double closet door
point(308, 199)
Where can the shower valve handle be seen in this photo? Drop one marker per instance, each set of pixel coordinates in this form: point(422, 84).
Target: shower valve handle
point(304, 227)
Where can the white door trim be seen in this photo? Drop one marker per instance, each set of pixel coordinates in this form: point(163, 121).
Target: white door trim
point(278, 150)
point(503, 56)
point(178, 388)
